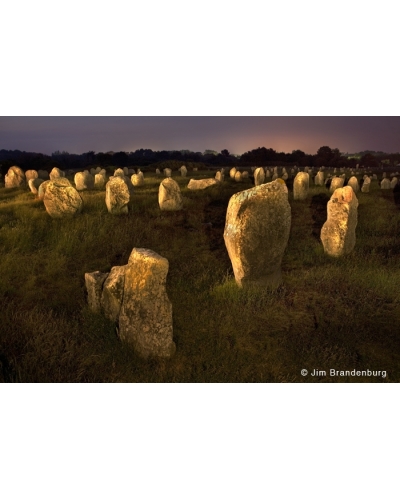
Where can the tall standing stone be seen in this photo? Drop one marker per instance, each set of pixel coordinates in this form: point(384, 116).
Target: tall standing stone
point(183, 171)
point(238, 176)
point(301, 186)
point(319, 178)
point(117, 196)
point(259, 176)
point(169, 195)
point(167, 172)
point(338, 234)
point(34, 184)
point(83, 181)
point(137, 180)
point(256, 233)
point(232, 172)
point(61, 199)
point(385, 183)
point(353, 182)
point(145, 319)
point(99, 181)
point(366, 184)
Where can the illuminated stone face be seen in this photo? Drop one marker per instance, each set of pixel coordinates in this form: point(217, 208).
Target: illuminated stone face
point(353, 182)
point(259, 176)
point(145, 320)
point(232, 173)
point(201, 183)
point(137, 180)
point(256, 233)
point(319, 178)
point(219, 176)
point(15, 177)
point(117, 196)
point(113, 293)
point(83, 181)
point(169, 195)
point(301, 186)
point(385, 184)
point(238, 176)
point(99, 181)
point(338, 234)
point(56, 173)
point(61, 199)
point(337, 182)
point(31, 174)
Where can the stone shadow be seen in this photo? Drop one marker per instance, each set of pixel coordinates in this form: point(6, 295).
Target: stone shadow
point(319, 212)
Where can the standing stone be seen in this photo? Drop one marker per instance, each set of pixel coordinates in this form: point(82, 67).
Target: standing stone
point(83, 180)
point(337, 182)
point(338, 234)
point(113, 293)
point(158, 171)
point(126, 171)
point(97, 170)
point(167, 172)
point(94, 285)
point(275, 176)
point(245, 175)
point(366, 185)
point(61, 199)
point(256, 233)
point(99, 181)
point(169, 195)
point(56, 173)
point(93, 171)
point(301, 186)
point(42, 189)
point(183, 170)
point(145, 319)
point(319, 178)
point(267, 173)
point(117, 196)
point(201, 183)
point(259, 176)
point(393, 182)
point(232, 173)
point(31, 174)
point(119, 173)
point(353, 182)
point(385, 184)
point(137, 180)
point(219, 176)
point(238, 176)
point(15, 177)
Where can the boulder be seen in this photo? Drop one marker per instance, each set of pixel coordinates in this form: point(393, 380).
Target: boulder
point(256, 233)
point(338, 234)
point(61, 199)
point(15, 178)
point(201, 183)
point(117, 196)
point(169, 195)
point(145, 320)
point(301, 185)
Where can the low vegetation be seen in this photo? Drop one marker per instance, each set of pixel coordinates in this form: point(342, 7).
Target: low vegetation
point(328, 313)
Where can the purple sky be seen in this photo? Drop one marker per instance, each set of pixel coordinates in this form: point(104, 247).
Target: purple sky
point(237, 134)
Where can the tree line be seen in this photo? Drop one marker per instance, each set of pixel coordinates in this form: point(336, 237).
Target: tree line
point(261, 156)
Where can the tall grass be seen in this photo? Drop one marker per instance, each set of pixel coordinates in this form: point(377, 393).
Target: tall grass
point(328, 313)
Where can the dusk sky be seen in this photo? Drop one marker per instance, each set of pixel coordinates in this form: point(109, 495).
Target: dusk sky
point(237, 134)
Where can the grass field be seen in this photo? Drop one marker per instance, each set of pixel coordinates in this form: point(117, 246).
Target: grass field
point(341, 314)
